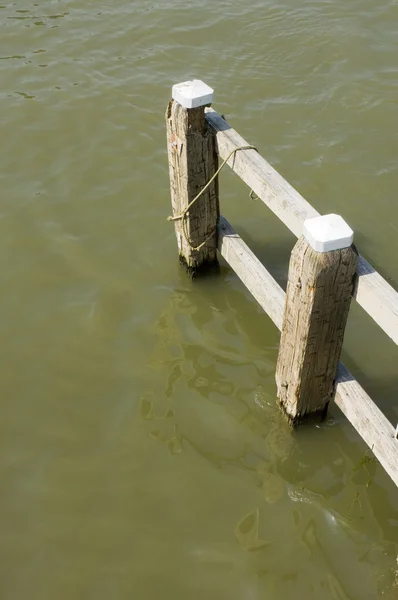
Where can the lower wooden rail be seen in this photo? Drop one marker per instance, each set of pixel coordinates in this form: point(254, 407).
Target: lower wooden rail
point(350, 397)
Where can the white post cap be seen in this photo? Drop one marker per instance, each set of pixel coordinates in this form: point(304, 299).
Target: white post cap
point(192, 94)
point(326, 233)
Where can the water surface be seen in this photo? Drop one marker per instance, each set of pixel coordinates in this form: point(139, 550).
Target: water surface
point(141, 451)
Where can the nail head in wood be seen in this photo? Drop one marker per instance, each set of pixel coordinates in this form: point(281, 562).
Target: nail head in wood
point(326, 233)
point(192, 94)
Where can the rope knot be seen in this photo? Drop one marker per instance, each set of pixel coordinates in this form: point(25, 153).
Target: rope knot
point(185, 211)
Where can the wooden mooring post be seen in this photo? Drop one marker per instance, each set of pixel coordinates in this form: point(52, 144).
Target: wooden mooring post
point(320, 285)
point(193, 162)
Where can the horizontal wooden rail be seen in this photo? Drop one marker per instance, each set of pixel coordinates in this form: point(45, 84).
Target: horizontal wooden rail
point(376, 296)
point(251, 271)
point(350, 397)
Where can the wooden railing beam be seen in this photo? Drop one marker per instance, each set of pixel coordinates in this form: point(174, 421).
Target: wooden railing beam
point(376, 296)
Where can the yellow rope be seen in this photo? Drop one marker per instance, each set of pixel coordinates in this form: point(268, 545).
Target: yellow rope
point(185, 211)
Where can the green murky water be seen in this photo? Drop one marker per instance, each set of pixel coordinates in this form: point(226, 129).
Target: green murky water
point(141, 452)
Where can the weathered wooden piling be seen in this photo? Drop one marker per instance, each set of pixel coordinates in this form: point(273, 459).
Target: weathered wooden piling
point(320, 284)
point(193, 162)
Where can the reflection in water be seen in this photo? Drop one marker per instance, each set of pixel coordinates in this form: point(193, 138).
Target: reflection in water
point(326, 534)
point(185, 354)
point(240, 427)
point(172, 442)
point(147, 411)
point(246, 532)
point(272, 487)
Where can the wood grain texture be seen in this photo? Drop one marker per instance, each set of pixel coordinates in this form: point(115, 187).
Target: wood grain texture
point(193, 161)
point(318, 297)
point(263, 179)
point(368, 420)
point(350, 397)
point(376, 296)
point(253, 274)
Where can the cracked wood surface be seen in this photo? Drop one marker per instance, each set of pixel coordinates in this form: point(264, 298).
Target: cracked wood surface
point(193, 161)
point(318, 298)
